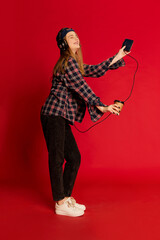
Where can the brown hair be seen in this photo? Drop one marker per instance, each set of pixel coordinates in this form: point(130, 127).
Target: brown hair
point(64, 56)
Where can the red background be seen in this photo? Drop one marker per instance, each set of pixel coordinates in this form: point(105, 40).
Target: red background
point(125, 145)
point(123, 149)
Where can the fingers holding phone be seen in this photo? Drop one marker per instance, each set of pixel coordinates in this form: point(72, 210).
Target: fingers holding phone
point(127, 44)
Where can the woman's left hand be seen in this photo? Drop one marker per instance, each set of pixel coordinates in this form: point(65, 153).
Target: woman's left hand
point(122, 53)
point(119, 55)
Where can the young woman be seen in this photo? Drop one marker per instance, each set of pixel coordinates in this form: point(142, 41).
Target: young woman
point(69, 96)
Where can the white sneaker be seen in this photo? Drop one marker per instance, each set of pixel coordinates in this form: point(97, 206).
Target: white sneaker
point(81, 206)
point(68, 209)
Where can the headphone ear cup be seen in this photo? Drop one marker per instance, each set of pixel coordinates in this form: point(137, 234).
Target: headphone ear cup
point(60, 43)
point(64, 45)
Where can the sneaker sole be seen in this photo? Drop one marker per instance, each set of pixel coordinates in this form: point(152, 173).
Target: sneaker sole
point(67, 214)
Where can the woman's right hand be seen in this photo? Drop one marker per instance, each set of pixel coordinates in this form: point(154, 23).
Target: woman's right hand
point(113, 108)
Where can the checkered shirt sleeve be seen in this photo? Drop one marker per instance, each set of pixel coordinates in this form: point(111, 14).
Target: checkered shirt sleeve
point(101, 68)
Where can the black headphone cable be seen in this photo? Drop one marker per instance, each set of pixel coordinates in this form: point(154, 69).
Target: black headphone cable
point(123, 101)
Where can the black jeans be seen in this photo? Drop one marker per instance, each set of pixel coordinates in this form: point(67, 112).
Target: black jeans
point(61, 145)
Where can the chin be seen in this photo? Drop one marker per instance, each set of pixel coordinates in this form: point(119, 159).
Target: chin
point(75, 49)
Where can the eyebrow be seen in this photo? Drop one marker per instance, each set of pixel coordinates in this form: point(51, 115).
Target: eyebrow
point(72, 35)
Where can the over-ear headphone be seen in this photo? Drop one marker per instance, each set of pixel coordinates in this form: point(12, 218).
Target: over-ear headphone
point(61, 42)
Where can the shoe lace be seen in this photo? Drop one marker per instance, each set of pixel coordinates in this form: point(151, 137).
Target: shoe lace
point(71, 202)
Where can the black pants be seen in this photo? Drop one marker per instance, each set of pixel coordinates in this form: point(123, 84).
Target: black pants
point(61, 145)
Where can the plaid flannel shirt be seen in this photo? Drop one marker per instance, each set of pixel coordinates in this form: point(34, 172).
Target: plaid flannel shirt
point(70, 94)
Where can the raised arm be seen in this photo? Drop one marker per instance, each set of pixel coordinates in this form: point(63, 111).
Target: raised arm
point(110, 64)
point(101, 68)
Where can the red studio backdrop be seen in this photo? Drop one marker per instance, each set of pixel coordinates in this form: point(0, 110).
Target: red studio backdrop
point(122, 147)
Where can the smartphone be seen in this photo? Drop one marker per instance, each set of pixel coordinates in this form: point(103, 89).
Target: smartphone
point(128, 43)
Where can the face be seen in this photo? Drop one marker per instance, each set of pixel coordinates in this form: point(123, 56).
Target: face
point(73, 41)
